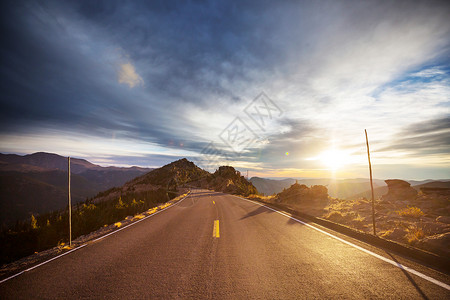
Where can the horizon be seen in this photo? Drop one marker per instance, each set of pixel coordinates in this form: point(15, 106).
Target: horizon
point(283, 90)
point(243, 172)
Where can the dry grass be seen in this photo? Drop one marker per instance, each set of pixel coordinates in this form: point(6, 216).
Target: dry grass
point(414, 234)
point(337, 216)
point(138, 217)
point(269, 199)
point(386, 233)
point(165, 205)
point(179, 197)
point(411, 211)
point(152, 210)
point(118, 224)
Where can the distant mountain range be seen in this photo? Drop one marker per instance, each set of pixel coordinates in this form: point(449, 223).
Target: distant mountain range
point(382, 190)
point(341, 188)
point(37, 183)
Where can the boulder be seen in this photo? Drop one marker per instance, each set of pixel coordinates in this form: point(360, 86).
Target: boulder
point(397, 183)
point(399, 190)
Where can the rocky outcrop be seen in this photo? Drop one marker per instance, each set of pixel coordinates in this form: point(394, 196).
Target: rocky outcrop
point(399, 190)
point(226, 179)
point(298, 193)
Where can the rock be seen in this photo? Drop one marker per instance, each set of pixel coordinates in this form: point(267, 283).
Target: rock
point(300, 193)
point(397, 183)
point(439, 243)
point(443, 219)
point(227, 179)
point(399, 190)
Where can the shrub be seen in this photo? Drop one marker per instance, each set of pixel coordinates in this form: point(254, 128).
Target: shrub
point(34, 222)
point(412, 211)
point(414, 234)
point(335, 216)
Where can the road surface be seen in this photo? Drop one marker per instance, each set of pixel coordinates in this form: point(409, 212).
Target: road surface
point(218, 246)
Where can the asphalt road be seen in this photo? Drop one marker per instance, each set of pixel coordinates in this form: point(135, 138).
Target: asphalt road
point(251, 252)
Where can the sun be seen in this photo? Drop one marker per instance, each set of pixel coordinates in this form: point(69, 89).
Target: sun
point(333, 159)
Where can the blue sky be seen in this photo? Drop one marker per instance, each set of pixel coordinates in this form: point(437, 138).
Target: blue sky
point(132, 83)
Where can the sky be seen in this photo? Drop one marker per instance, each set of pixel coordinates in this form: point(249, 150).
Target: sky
point(278, 88)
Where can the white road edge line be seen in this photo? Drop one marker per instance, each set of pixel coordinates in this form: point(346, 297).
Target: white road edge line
point(398, 265)
point(83, 245)
point(43, 263)
point(134, 223)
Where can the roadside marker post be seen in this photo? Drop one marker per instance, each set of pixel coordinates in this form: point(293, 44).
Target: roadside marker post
point(371, 185)
point(70, 205)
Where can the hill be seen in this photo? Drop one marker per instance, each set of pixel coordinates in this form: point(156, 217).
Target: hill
point(433, 184)
point(180, 172)
point(37, 183)
point(176, 177)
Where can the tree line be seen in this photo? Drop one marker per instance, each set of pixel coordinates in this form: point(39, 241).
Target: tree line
point(48, 230)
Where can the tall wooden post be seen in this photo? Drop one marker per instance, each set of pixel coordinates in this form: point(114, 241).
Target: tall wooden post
point(371, 185)
point(70, 206)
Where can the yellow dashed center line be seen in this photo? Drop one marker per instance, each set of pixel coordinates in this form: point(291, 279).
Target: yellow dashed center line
point(216, 232)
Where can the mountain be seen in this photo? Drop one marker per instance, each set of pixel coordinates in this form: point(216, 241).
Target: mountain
point(37, 183)
point(420, 182)
point(433, 184)
point(180, 172)
point(271, 186)
point(42, 161)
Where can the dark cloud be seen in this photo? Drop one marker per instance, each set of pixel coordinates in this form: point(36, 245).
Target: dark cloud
point(150, 160)
point(182, 50)
point(427, 127)
point(422, 138)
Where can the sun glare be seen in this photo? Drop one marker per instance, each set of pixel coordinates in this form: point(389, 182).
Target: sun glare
point(333, 159)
